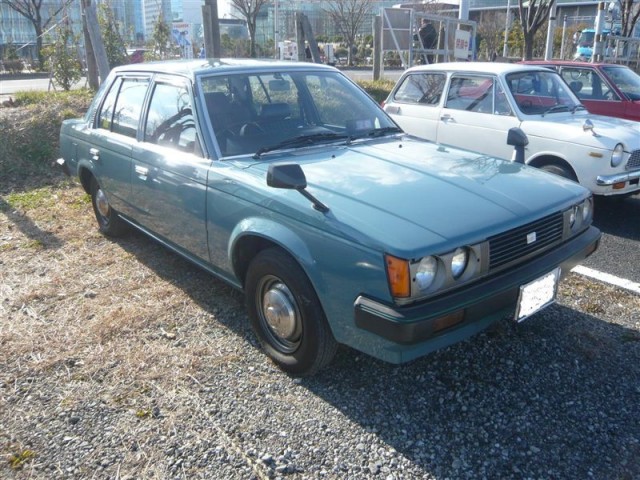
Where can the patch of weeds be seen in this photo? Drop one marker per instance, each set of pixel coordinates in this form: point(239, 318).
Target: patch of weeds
point(29, 200)
point(80, 202)
point(33, 244)
point(143, 413)
point(17, 460)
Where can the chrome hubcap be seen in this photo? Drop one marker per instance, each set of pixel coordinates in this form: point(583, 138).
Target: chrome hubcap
point(102, 204)
point(280, 314)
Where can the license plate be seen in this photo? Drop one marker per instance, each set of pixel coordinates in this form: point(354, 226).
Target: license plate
point(536, 295)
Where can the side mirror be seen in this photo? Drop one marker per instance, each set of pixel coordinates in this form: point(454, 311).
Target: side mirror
point(518, 139)
point(290, 176)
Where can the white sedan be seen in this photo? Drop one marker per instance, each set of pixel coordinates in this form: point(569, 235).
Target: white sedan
point(473, 105)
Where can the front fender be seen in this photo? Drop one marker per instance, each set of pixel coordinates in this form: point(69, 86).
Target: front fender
point(272, 232)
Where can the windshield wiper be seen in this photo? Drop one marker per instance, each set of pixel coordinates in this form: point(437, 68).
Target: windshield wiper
point(578, 107)
point(301, 141)
point(555, 108)
point(382, 131)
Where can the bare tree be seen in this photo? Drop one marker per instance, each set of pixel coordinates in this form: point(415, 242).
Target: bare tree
point(348, 15)
point(491, 33)
point(629, 15)
point(32, 11)
point(532, 17)
point(249, 10)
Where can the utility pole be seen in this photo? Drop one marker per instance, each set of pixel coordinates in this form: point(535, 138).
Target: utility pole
point(97, 45)
point(211, 28)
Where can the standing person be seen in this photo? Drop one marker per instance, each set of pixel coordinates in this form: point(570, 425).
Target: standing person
point(428, 38)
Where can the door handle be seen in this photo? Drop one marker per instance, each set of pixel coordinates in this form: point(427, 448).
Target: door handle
point(446, 117)
point(95, 154)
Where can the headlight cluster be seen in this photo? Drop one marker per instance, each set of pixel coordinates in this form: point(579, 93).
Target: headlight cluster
point(579, 216)
point(434, 273)
point(617, 155)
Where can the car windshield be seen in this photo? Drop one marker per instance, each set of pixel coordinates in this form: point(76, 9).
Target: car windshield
point(264, 112)
point(626, 80)
point(541, 92)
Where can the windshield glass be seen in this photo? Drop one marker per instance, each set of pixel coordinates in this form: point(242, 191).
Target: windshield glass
point(266, 111)
point(626, 80)
point(541, 92)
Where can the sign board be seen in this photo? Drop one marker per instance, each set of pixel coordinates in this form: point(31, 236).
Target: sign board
point(462, 46)
point(181, 36)
point(396, 28)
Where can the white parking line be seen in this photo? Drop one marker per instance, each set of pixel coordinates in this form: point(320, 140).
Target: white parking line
point(608, 278)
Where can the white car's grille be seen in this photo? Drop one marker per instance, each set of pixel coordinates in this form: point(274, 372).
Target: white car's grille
point(634, 160)
point(523, 241)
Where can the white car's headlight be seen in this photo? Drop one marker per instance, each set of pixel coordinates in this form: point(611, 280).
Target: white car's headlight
point(426, 272)
point(617, 155)
point(459, 262)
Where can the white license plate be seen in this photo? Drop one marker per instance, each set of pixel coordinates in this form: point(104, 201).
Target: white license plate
point(536, 295)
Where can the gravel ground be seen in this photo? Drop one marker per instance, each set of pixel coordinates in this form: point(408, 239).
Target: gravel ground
point(120, 360)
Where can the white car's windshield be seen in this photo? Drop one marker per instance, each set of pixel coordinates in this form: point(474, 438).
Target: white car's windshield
point(541, 92)
point(261, 112)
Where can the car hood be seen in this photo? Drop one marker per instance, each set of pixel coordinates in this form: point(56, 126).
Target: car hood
point(565, 126)
point(410, 195)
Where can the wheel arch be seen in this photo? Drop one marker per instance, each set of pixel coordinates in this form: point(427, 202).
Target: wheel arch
point(547, 159)
point(85, 175)
point(250, 237)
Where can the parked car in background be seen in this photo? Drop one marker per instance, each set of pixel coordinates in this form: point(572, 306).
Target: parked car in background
point(473, 105)
point(604, 88)
point(290, 183)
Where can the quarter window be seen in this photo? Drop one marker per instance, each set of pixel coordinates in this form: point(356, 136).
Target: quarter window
point(423, 88)
point(105, 119)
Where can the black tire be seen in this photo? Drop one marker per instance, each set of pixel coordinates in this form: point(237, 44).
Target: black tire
point(109, 222)
point(559, 170)
point(296, 334)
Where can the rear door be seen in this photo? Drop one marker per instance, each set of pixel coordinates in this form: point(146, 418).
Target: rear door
point(477, 116)
point(593, 90)
point(114, 135)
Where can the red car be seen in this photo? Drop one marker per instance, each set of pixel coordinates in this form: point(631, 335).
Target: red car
point(604, 88)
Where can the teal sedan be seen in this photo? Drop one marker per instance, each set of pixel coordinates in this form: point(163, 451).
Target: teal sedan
point(288, 182)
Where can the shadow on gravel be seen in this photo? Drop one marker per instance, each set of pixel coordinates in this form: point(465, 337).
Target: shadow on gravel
point(28, 227)
point(618, 217)
point(554, 397)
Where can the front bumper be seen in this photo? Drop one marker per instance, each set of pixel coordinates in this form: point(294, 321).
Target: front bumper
point(472, 308)
point(625, 181)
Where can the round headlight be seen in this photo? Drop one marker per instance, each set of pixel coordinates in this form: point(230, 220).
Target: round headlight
point(617, 155)
point(572, 217)
point(459, 262)
point(587, 210)
point(426, 272)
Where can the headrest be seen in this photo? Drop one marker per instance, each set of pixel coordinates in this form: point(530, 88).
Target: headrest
point(277, 111)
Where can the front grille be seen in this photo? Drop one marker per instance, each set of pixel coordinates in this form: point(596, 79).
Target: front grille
point(511, 246)
point(634, 160)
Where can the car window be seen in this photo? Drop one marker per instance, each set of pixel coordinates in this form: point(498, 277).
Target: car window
point(105, 118)
point(471, 93)
point(170, 119)
point(540, 92)
point(423, 88)
point(128, 106)
point(587, 84)
point(249, 112)
point(625, 79)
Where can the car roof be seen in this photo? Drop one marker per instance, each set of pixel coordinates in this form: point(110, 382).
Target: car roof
point(497, 68)
point(192, 68)
point(572, 63)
